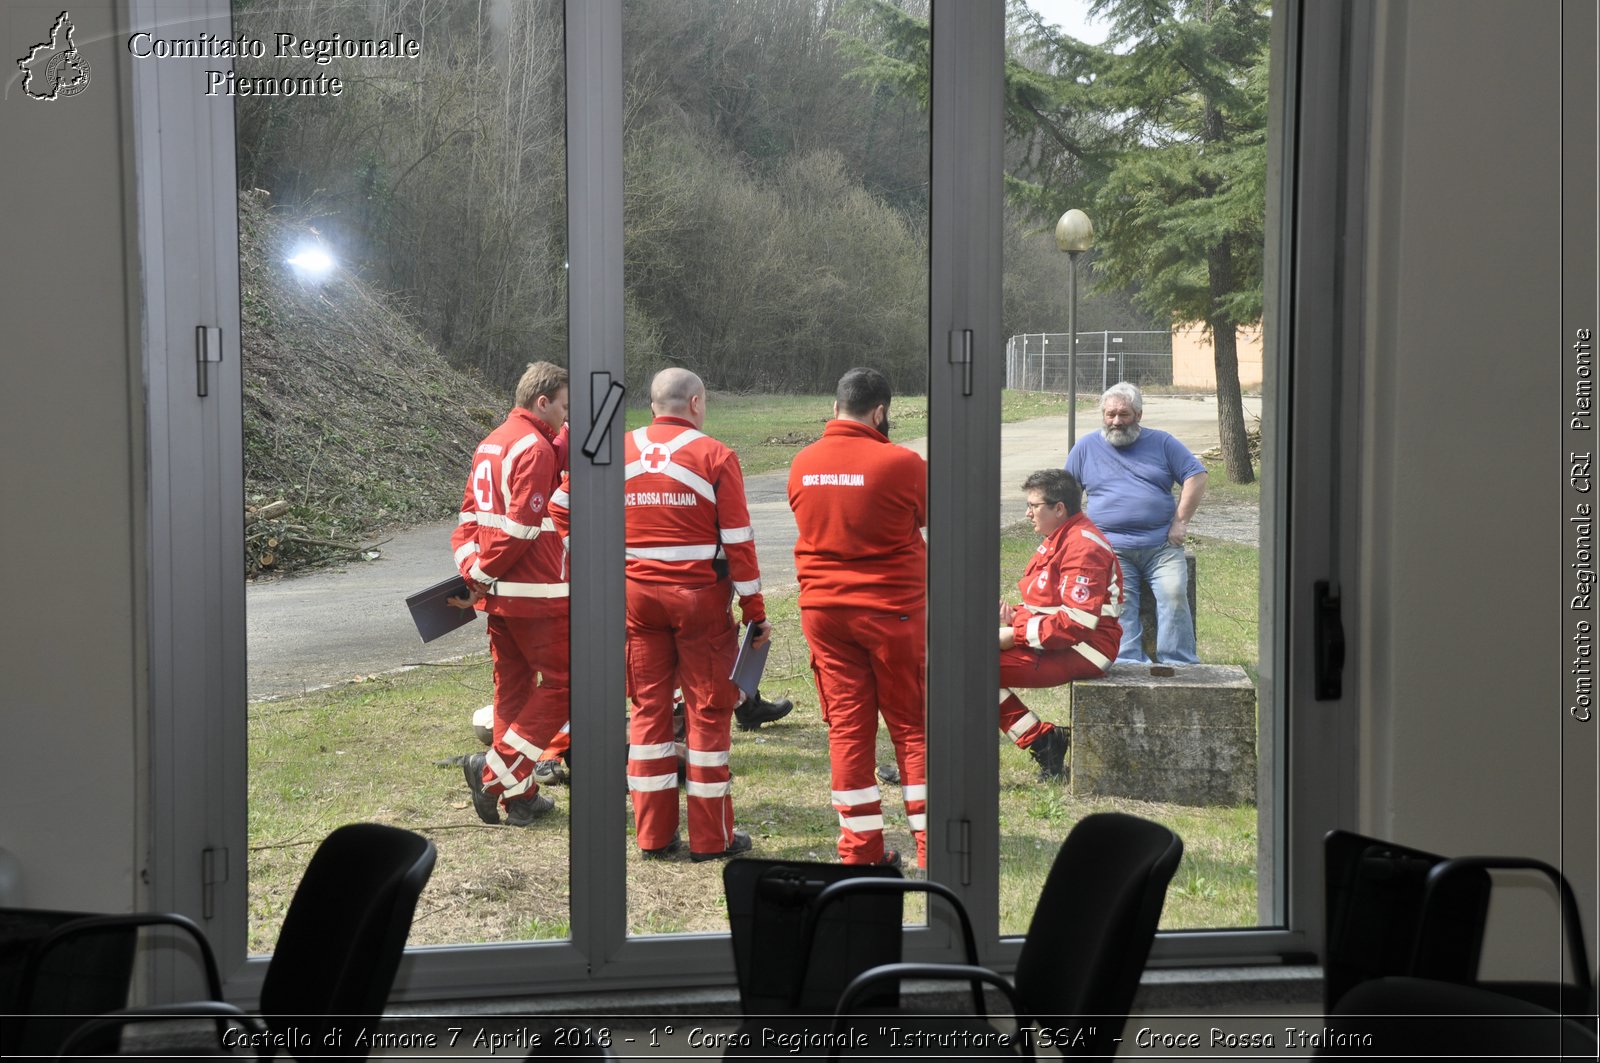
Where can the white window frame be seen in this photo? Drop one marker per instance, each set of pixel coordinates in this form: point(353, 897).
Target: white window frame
point(184, 155)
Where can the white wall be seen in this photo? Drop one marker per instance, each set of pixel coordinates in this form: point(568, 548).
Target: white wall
point(72, 671)
point(1461, 659)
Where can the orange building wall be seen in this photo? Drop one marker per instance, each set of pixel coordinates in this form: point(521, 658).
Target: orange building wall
point(1194, 363)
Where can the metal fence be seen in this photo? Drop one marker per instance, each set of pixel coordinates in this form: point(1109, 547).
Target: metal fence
point(1037, 361)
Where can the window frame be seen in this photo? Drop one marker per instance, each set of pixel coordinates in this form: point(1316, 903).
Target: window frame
point(183, 154)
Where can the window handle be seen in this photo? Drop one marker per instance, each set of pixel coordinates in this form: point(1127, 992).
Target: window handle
point(597, 443)
point(1328, 636)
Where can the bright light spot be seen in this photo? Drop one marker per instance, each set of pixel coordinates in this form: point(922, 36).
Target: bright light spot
point(312, 262)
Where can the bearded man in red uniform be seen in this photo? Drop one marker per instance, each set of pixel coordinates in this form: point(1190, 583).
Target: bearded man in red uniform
point(690, 549)
point(860, 504)
point(1067, 626)
point(508, 550)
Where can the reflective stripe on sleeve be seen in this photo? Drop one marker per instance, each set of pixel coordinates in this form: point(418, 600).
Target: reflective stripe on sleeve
point(467, 518)
point(1093, 538)
point(746, 587)
point(1033, 632)
point(1100, 660)
point(1042, 610)
point(1088, 620)
point(745, 534)
point(466, 551)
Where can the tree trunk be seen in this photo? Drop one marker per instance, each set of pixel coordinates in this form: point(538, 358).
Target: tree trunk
point(1225, 345)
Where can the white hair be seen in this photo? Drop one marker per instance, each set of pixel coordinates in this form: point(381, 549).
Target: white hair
point(1127, 393)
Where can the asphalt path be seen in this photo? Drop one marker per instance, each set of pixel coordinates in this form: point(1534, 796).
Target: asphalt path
point(333, 626)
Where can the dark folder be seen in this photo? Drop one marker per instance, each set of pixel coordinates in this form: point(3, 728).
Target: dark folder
point(433, 615)
point(750, 663)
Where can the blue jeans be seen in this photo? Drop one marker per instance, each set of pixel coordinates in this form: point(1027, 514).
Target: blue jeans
point(1167, 573)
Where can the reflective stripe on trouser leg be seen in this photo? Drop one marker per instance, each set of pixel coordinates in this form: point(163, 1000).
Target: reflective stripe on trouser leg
point(652, 753)
point(707, 642)
point(531, 669)
point(868, 662)
point(1019, 723)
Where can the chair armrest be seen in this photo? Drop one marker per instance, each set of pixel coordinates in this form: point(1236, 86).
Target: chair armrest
point(83, 1040)
point(961, 972)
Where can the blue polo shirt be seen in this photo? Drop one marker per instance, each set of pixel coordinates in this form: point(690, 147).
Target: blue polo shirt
point(1127, 491)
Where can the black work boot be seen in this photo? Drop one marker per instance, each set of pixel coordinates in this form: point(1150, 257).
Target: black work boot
point(486, 805)
point(756, 710)
point(1049, 751)
point(522, 811)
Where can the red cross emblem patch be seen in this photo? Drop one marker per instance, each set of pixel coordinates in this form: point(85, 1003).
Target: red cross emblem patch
point(655, 457)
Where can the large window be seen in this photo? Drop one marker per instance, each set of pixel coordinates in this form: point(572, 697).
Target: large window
point(766, 193)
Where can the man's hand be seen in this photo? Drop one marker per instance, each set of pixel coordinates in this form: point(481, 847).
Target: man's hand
point(1007, 613)
point(763, 633)
point(1178, 532)
point(470, 600)
point(1008, 638)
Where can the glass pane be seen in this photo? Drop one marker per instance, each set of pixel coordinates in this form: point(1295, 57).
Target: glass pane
point(1171, 175)
point(402, 242)
point(776, 206)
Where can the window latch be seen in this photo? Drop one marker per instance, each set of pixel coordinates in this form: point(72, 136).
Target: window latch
point(605, 395)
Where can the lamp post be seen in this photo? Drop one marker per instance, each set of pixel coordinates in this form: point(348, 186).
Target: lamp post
point(1074, 235)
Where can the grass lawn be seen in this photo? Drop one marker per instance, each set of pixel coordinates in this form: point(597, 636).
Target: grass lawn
point(769, 430)
point(372, 751)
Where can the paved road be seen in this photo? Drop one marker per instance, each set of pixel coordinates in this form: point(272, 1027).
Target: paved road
point(333, 626)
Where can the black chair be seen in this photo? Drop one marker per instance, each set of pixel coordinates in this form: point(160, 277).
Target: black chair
point(1391, 910)
point(1415, 1018)
point(57, 967)
point(337, 952)
point(1088, 941)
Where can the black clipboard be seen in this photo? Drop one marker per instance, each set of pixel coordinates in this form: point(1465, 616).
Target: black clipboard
point(433, 615)
point(751, 662)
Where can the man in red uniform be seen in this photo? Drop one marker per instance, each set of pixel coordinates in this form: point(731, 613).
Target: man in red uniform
point(688, 536)
point(507, 548)
point(860, 504)
point(1067, 626)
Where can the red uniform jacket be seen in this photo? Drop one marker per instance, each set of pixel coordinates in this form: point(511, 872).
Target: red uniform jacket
point(860, 503)
point(1072, 594)
point(504, 538)
point(686, 509)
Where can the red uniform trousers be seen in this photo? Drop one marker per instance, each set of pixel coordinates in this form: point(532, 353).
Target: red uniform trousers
point(868, 662)
point(681, 636)
point(532, 676)
point(1023, 666)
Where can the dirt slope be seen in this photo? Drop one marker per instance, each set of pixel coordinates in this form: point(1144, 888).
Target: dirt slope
point(350, 416)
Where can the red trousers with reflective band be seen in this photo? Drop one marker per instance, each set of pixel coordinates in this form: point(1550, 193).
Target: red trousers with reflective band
point(1021, 666)
point(869, 663)
point(532, 675)
point(681, 636)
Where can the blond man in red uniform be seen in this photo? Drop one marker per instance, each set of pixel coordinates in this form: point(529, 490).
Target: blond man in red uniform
point(1067, 626)
point(860, 504)
point(507, 548)
point(690, 549)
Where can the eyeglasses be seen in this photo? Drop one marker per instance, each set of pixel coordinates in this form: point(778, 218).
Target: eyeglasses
point(1031, 506)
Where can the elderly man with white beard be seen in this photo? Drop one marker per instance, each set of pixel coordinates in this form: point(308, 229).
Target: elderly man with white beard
point(1128, 473)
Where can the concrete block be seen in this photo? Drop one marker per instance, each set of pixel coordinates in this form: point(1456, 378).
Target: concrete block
point(1188, 738)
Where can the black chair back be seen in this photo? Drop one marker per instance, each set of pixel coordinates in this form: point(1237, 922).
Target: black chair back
point(1094, 924)
point(346, 928)
point(768, 901)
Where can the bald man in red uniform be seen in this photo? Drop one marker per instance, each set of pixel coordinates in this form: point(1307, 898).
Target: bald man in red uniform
point(860, 504)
